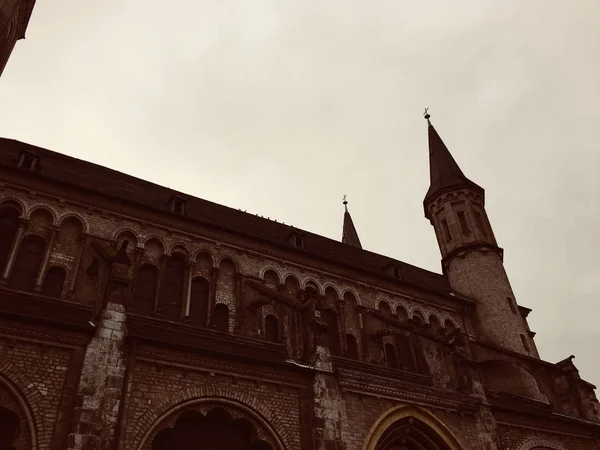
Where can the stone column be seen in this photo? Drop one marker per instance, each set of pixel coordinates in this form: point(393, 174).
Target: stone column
point(102, 376)
point(237, 303)
point(23, 223)
point(342, 321)
point(82, 245)
point(138, 254)
point(161, 277)
point(214, 276)
point(189, 276)
point(47, 254)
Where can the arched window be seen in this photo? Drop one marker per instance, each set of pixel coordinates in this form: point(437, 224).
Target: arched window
point(352, 346)
point(384, 308)
point(333, 335)
point(54, 282)
point(145, 290)
point(391, 356)
point(9, 224)
point(272, 328)
point(199, 302)
point(172, 292)
point(221, 319)
point(27, 264)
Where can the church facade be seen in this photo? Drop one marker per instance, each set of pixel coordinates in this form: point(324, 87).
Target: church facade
point(135, 317)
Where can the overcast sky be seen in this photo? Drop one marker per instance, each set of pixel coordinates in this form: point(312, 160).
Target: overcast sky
point(281, 107)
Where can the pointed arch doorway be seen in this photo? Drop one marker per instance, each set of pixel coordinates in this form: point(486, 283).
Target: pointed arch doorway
point(410, 428)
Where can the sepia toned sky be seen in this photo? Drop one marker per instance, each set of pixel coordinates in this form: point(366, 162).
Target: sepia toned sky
point(281, 107)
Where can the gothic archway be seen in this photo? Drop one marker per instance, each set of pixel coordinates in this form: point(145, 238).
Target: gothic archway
point(212, 425)
point(410, 428)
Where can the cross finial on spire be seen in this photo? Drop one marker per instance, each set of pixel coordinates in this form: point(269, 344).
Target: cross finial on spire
point(426, 114)
point(345, 202)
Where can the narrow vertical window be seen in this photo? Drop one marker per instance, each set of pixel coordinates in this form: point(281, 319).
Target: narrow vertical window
point(271, 328)
point(352, 346)
point(172, 291)
point(464, 226)
point(54, 282)
point(145, 290)
point(333, 336)
point(511, 304)
point(447, 235)
point(199, 302)
point(9, 224)
point(28, 263)
point(525, 344)
point(221, 319)
point(479, 222)
point(391, 356)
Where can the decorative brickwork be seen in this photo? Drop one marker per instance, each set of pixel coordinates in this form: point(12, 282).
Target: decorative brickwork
point(129, 324)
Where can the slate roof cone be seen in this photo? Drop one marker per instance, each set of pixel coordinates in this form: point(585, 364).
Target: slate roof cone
point(444, 172)
point(349, 234)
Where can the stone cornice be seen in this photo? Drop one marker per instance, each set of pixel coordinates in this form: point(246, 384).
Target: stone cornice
point(360, 384)
point(284, 377)
point(42, 337)
point(160, 218)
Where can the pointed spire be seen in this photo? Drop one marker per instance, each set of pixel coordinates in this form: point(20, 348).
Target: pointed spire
point(349, 234)
point(443, 169)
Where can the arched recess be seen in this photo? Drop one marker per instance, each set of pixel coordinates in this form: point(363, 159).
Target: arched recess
point(27, 263)
point(425, 431)
point(271, 278)
point(248, 428)
point(9, 224)
point(14, 401)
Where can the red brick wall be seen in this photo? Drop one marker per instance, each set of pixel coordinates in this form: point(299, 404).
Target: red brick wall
point(157, 389)
point(39, 372)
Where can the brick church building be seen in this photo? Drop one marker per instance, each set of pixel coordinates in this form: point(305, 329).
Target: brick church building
point(135, 317)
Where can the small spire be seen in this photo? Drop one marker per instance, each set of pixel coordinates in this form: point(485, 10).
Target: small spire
point(444, 172)
point(349, 234)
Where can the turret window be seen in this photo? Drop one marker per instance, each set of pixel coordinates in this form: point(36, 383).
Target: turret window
point(446, 230)
point(525, 343)
point(479, 222)
point(464, 226)
point(511, 304)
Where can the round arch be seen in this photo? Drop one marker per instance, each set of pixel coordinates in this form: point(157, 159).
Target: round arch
point(45, 208)
point(398, 413)
point(15, 203)
point(271, 429)
point(25, 409)
point(352, 291)
point(535, 444)
point(85, 225)
point(311, 280)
